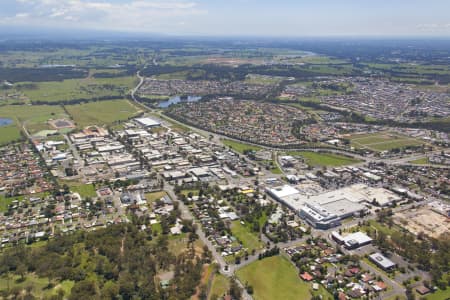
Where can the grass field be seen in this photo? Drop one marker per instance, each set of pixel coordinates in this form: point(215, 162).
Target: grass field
point(382, 141)
point(39, 285)
point(316, 159)
point(152, 197)
point(9, 134)
point(220, 286)
point(87, 88)
point(5, 202)
point(239, 146)
point(102, 112)
point(274, 278)
point(246, 236)
point(33, 117)
point(421, 161)
point(85, 190)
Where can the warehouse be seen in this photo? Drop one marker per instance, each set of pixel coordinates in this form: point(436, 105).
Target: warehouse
point(147, 122)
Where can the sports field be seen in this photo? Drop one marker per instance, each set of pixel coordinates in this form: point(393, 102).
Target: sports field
point(274, 278)
point(101, 112)
point(382, 141)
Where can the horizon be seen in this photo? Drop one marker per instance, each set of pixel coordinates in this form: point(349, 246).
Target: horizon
point(236, 18)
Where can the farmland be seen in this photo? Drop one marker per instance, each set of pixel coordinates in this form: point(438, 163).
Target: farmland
point(70, 89)
point(274, 278)
point(103, 112)
point(382, 141)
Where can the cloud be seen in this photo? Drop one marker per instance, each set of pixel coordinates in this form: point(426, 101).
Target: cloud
point(136, 15)
point(433, 27)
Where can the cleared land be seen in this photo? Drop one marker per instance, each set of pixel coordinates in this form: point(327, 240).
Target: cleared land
point(274, 278)
point(382, 141)
point(102, 112)
point(88, 88)
point(423, 220)
point(238, 146)
point(316, 159)
point(248, 238)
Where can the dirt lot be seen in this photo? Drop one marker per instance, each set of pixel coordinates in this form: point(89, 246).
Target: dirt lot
point(425, 220)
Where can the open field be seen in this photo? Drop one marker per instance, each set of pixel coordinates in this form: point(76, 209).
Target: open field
point(9, 134)
point(382, 141)
point(39, 285)
point(33, 117)
point(85, 190)
point(5, 202)
point(220, 286)
point(239, 146)
point(249, 239)
point(88, 88)
point(316, 159)
point(152, 197)
point(421, 161)
point(102, 112)
point(274, 278)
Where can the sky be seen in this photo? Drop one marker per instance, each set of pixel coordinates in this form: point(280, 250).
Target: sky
point(277, 18)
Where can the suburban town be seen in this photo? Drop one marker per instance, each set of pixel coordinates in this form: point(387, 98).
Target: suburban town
point(241, 150)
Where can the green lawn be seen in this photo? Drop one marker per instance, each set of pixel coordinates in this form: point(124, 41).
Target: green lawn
point(102, 112)
point(274, 278)
point(85, 190)
point(316, 159)
point(220, 286)
point(86, 88)
point(239, 146)
point(248, 238)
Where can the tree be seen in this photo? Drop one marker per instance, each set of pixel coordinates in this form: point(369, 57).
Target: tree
point(235, 290)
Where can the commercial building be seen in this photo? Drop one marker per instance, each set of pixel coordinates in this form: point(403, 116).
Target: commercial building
point(381, 261)
point(323, 210)
point(319, 217)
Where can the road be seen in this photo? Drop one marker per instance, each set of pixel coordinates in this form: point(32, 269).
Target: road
point(136, 88)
